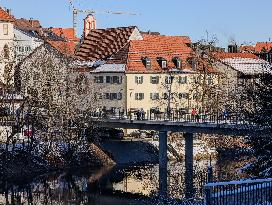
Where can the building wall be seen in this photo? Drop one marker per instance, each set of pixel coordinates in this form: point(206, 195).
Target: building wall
point(182, 93)
point(229, 85)
point(103, 92)
point(24, 44)
point(6, 39)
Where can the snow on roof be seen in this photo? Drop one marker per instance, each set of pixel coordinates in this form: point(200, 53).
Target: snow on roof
point(88, 63)
point(249, 66)
point(120, 68)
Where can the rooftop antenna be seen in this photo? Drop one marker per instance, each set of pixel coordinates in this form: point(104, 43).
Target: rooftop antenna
point(76, 11)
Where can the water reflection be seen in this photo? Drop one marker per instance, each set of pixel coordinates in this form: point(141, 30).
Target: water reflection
point(107, 186)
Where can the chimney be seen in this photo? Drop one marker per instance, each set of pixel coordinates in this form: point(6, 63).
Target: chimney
point(233, 48)
point(8, 11)
point(31, 22)
point(89, 24)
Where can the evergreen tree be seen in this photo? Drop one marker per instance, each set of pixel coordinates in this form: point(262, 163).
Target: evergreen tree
point(261, 113)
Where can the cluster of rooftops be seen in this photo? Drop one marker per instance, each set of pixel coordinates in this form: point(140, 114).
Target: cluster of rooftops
point(138, 51)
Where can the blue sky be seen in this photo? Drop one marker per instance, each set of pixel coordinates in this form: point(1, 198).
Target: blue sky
point(241, 20)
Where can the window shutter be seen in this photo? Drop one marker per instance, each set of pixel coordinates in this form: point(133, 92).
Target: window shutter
point(136, 79)
point(142, 79)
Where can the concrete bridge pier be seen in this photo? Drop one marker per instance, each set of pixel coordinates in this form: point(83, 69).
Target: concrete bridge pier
point(163, 163)
point(189, 169)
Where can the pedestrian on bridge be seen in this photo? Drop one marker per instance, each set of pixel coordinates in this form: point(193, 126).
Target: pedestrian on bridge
point(195, 115)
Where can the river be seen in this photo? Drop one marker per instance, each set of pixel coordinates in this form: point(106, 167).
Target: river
point(110, 185)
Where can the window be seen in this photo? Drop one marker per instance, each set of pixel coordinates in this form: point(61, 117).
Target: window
point(178, 64)
point(183, 96)
point(139, 96)
point(108, 79)
point(169, 79)
point(197, 79)
point(27, 48)
point(107, 96)
point(98, 96)
point(162, 62)
point(154, 96)
point(5, 29)
point(166, 96)
point(147, 62)
point(177, 61)
point(154, 79)
point(112, 96)
point(210, 81)
point(114, 79)
point(196, 96)
point(182, 79)
point(98, 79)
point(21, 49)
point(139, 79)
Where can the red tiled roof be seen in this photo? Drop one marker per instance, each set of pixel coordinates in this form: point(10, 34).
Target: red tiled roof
point(4, 16)
point(185, 39)
point(101, 44)
point(247, 48)
point(64, 47)
point(154, 46)
point(68, 33)
point(27, 24)
point(258, 48)
point(263, 45)
point(235, 55)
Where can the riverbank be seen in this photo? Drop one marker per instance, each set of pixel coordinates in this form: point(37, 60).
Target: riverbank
point(19, 162)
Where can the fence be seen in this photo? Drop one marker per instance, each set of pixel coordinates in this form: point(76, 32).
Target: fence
point(248, 192)
point(215, 118)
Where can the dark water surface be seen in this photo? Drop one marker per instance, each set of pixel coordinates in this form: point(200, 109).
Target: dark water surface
point(107, 186)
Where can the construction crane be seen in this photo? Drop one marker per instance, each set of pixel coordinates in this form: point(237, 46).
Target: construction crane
point(92, 12)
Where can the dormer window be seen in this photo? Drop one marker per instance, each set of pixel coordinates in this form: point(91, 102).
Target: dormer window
point(162, 62)
point(178, 63)
point(147, 62)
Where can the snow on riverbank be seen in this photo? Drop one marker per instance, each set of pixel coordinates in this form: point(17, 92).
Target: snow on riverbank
point(201, 149)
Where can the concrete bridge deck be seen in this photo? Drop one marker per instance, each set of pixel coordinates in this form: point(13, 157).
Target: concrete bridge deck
point(207, 127)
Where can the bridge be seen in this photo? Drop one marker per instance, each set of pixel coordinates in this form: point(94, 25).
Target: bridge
point(234, 125)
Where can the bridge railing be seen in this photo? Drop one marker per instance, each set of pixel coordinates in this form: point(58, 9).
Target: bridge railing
point(248, 192)
point(215, 118)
